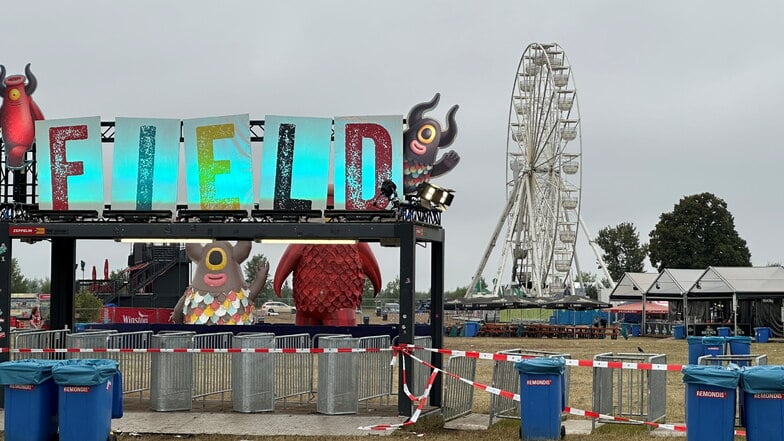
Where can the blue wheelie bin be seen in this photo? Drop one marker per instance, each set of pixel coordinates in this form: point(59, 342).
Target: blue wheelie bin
point(762, 334)
point(636, 330)
point(696, 349)
point(679, 332)
point(713, 345)
point(89, 396)
point(724, 331)
point(740, 345)
point(30, 400)
point(541, 398)
point(763, 401)
point(710, 402)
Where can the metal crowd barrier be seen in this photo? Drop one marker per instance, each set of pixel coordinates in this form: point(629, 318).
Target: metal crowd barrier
point(293, 372)
point(88, 340)
point(740, 360)
point(38, 339)
point(458, 399)
point(253, 388)
point(211, 371)
point(419, 372)
point(506, 377)
point(135, 367)
point(338, 385)
point(637, 394)
point(375, 370)
point(171, 387)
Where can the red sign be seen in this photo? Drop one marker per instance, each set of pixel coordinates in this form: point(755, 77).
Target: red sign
point(21, 386)
point(136, 315)
point(26, 231)
point(769, 396)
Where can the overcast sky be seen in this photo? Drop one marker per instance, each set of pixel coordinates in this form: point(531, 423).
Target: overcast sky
point(676, 97)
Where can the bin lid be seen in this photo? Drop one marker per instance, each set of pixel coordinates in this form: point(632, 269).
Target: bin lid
point(26, 371)
point(762, 379)
point(693, 339)
point(84, 372)
point(541, 365)
point(713, 340)
point(711, 376)
point(739, 339)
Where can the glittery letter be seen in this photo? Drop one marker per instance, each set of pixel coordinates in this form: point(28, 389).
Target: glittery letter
point(354, 179)
point(283, 200)
point(146, 163)
point(61, 168)
point(209, 167)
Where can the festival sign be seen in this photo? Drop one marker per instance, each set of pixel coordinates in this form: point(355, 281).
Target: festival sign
point(298, 159)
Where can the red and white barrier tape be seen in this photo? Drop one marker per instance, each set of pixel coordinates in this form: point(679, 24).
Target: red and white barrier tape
point(197, 350)
point(569, 362)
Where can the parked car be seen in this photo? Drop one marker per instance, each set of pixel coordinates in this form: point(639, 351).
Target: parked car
point(277, 308)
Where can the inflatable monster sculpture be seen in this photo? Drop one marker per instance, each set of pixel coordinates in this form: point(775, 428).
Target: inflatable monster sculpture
point(217, 295)
point(18, 115)
point(328, 281)
point(421, 142)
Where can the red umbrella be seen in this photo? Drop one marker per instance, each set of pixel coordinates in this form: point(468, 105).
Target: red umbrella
point(94, 273)
point(106, 269)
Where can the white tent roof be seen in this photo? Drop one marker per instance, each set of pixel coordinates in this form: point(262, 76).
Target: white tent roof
point(632, 286)
point(760, 281)
point(673, 283)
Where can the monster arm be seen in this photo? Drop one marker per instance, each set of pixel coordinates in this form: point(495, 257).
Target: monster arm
point(288, 261)
point(370, 266)
point(177, 315)
point(35, 111)
point(445, 164)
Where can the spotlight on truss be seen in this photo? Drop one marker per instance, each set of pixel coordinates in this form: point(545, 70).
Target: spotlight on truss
point(433, 197)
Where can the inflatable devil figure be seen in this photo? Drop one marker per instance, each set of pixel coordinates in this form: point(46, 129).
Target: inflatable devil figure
point(18, 115)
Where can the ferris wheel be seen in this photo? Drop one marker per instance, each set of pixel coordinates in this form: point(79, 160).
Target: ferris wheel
point(544, 157)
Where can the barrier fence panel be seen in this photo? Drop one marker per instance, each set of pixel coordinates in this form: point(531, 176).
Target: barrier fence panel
point(171, 384)
point(375, 371)
point(630, 393)
point(212, 371)
point(338, 385)
point(37, 339)
point(458, 396)
point(419, 372)
point(506, 377)
point(88, 340)
point(293, 372)
point(740, 360)
point(135, 367)
point(253, 388)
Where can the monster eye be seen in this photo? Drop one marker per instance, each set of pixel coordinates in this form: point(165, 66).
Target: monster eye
point(426, 134)
point(14, 94)
point(216, 259)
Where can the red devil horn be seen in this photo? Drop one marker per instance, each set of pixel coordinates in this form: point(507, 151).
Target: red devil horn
point(2, 77)
point(32, 83)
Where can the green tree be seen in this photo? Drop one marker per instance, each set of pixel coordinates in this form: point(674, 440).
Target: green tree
point(698, 233)
point(18, 281)
point(589, 284)
point(392, 290)
point(87, 306)
point(622, 250)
